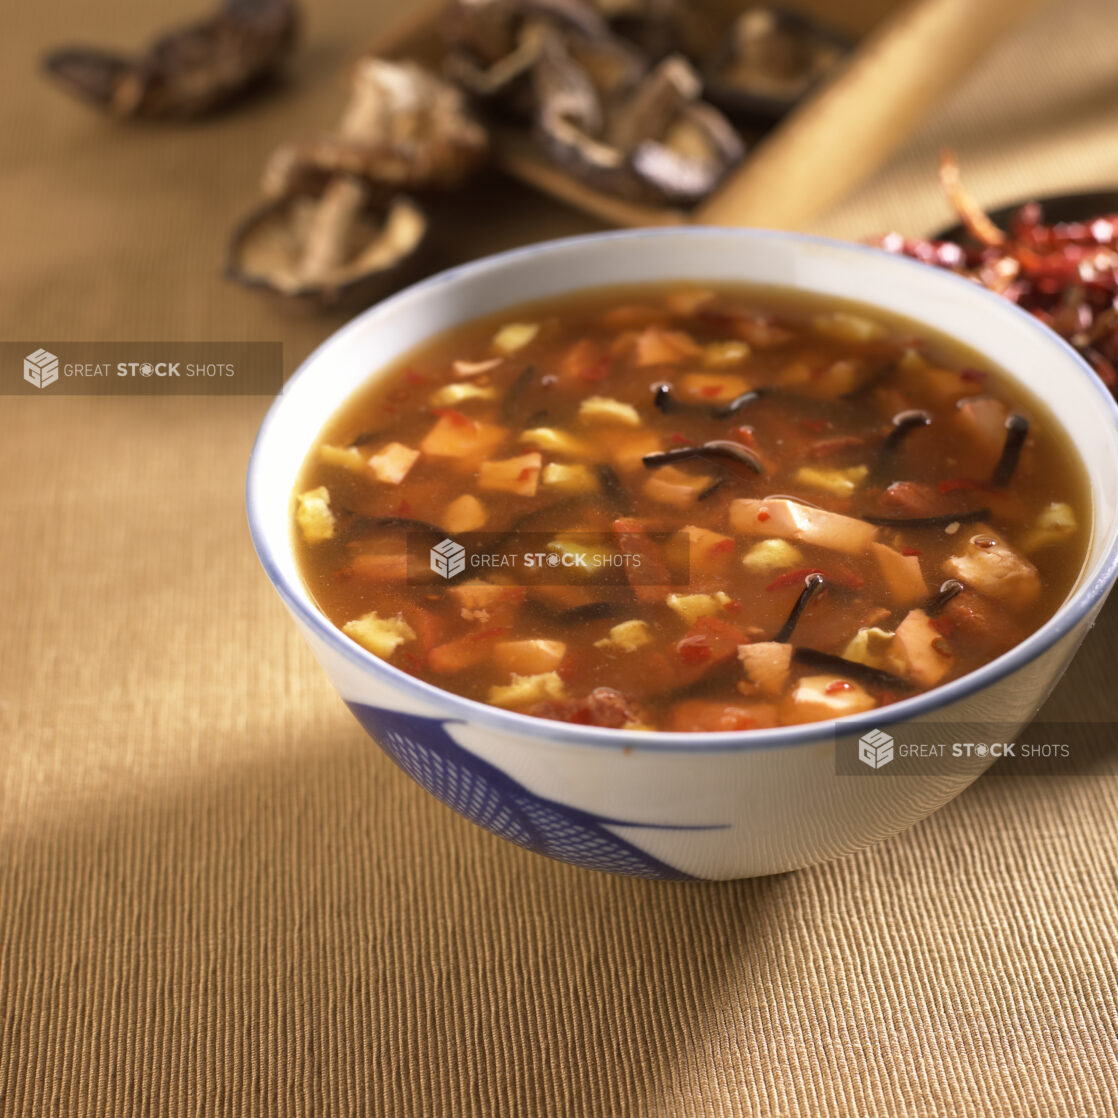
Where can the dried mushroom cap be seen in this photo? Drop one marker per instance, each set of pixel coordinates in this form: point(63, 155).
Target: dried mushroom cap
point(661, 142)
point(495, 44)
point(188, 72)
point(339, 250)
point(771, 59)
point(403, 128)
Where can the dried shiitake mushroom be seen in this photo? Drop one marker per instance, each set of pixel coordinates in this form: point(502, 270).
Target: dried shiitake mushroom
point(338, 231)
point(404, 128)
point(339, 250)
point(770, 61)
point(188, 72)
point(660, 143)
point(494, 45)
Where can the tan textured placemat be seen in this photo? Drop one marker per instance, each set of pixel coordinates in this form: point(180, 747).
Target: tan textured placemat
point(217, 898)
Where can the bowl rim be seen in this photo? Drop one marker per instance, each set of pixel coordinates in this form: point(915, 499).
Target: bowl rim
point(1094, 585)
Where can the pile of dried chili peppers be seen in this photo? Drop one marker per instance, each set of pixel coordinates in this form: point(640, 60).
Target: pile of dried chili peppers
point(1065, 273)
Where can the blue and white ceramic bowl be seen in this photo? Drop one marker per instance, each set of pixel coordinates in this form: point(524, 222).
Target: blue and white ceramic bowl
point(684, 806)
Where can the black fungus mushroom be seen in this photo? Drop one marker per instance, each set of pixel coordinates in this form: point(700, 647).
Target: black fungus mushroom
point(188, 72)
point(768, 63)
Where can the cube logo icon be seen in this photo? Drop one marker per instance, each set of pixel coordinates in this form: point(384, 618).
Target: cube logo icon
point(875, 749)
point(40, 368)
point(448, 558)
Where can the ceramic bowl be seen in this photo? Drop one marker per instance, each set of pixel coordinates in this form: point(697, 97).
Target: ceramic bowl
point(667, 805)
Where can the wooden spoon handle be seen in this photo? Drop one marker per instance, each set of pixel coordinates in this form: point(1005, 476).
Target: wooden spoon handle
point(826, 148)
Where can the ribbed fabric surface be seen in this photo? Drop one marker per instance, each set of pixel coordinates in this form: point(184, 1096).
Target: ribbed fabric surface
point(217, 897)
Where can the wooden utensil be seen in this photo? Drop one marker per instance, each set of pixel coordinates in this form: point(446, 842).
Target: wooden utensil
point(839, 137)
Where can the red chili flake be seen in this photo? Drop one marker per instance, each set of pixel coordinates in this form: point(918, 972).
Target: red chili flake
point(680, 438)
point(526, 473)
point(711, 391)
point(911, 551)
point(455, 417)
point(412, 661)
point(793, 578)
point(763, 515)
point(732, 606)
point(961, 483)
point(413, 376)
point(975, 376)
point(815, 426)
point(403, 508)
point(722, 547)
point(837, 686)
point(693, 649)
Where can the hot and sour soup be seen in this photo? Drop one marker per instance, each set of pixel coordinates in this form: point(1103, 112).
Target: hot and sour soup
point(765, 509)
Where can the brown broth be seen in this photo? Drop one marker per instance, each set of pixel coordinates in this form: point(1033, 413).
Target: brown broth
point(832, 396)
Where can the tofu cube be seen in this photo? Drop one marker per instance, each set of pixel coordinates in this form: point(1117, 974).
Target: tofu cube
point(922, 649)
point(988, 564)
point(901, 573)
point(873, 647)
point(520, 475)
point(816, 698)
point(790, 520)
point(392, 463)
point(766, 665)
point(380, 635)
point(313, 515)
point(670, 486)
